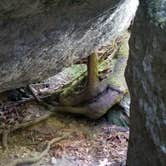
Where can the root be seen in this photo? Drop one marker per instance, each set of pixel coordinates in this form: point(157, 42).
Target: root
point(5, 139)
point(33, 122)
point(22, 126)
point(32, 160)
point(95, 108)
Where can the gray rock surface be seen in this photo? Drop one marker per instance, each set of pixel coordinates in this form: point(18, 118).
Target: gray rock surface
point(117, 116)
point(146, 78)
point(39, 37)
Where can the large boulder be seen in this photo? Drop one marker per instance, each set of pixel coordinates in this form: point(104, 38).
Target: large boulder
point(146, 78)
point(39, 37)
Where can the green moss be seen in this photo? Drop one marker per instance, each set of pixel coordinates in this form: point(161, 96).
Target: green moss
point(75, 70)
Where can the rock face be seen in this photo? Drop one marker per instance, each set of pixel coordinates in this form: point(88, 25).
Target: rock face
point(39, 37)
point(146, 78)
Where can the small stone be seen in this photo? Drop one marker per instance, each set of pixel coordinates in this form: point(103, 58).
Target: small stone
point(53, 160)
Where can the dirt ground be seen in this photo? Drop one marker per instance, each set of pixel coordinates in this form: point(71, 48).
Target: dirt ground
point(91, 143)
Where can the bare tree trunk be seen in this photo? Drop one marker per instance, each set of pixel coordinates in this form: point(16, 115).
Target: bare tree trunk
point(92, 72)
point(91, 89)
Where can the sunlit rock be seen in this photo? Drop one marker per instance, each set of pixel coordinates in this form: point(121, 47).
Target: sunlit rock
point(39, 38)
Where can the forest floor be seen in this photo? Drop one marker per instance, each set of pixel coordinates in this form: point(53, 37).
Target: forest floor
point(91, 143)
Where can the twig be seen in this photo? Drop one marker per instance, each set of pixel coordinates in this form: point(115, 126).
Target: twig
point(33, 93)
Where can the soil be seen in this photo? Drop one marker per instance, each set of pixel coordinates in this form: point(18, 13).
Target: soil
point(91, 143)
